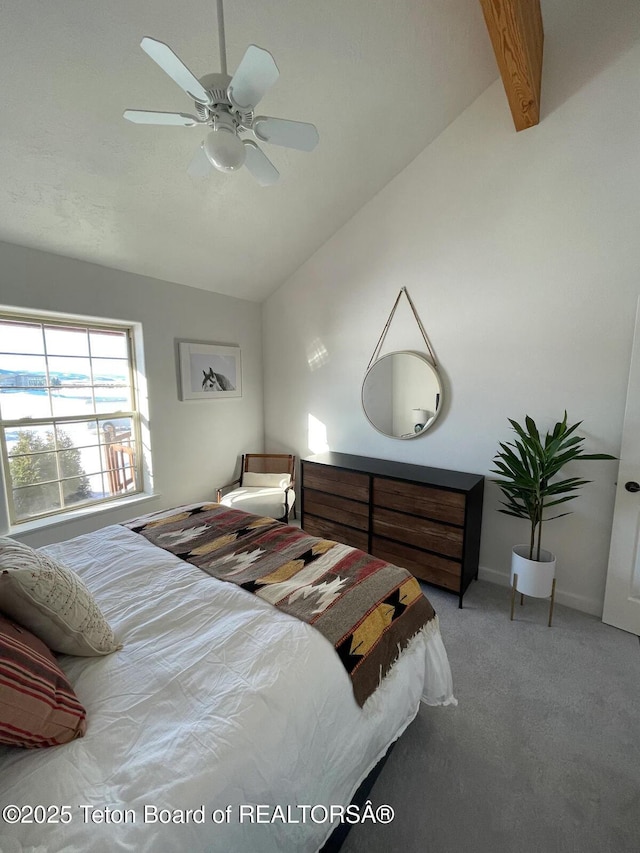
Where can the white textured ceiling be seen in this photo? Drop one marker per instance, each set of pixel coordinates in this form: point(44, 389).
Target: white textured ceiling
point(380, 80)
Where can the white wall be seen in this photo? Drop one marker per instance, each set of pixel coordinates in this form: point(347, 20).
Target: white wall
point(195, 444)
point(521, 254)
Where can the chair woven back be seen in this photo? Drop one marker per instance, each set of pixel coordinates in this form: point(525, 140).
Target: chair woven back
point(269, 463)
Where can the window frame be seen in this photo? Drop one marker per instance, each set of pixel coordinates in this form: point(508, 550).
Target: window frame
point(88, 324)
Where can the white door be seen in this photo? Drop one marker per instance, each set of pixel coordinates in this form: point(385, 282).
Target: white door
point(622, 594)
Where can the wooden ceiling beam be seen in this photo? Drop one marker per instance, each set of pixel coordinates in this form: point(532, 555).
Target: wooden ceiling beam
point(515, 28)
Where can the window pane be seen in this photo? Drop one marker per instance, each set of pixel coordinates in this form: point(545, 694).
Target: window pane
point(109, 344)
point(67, 434)
point(80, 461)
point(77, 434)
point(121, 475)
point(116, 429)
point(17, 404)
point(76, 491)
point(96, 486)
point(70, 386)
point(62, 340)
point(110, 370)
point(28, 439)
point(21, 337)
point(113, 398)
point(36, 500)
point(71, 463)
point(23, 371)
point(29, 470)
point(66, 370)
point(69, 402)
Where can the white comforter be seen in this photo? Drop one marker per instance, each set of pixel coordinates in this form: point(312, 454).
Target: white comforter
point(216, 699)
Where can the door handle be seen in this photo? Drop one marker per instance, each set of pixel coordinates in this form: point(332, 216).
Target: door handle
point(632, 486)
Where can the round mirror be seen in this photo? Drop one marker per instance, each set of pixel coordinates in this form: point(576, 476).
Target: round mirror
point(402, 394)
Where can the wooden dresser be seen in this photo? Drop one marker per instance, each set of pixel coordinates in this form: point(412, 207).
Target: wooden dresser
point(425, 519)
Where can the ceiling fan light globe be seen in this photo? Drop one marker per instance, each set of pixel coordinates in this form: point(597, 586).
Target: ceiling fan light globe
point(224, 150)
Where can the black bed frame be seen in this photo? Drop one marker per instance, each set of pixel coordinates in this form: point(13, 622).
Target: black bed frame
point(335, 841)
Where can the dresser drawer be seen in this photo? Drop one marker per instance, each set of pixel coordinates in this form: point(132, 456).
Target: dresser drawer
point(338, 532)
point(335, 481)
point(421, 564)
point(424, 501)
point(342, 510)
point(420, 532)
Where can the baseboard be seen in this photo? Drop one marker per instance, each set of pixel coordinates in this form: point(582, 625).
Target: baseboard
point(569, 599)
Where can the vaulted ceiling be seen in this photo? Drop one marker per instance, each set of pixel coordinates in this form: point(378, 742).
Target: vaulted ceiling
point(379, 79)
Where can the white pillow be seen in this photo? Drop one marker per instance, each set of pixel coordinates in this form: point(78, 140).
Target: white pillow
point(52, 602)
point(267, 481)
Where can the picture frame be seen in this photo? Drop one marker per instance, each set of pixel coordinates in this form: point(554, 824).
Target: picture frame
point(209, 371)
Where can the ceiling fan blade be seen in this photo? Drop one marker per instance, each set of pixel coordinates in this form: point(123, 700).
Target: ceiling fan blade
point(176, 69)
point(259, 165)
point(290, 134)
point(256, 74)
point(149, 117)
point(199, 167)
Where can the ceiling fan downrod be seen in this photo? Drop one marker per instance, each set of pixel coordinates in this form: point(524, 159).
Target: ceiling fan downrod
point(221, 42)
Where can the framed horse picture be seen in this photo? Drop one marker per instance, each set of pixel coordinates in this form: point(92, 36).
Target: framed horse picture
point(209, 372)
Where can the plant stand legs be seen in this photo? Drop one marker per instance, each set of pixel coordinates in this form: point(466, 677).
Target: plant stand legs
point(553, 595)
point(513, 594)
point(513, 598)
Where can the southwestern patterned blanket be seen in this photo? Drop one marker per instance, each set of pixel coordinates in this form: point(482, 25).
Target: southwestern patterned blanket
point(367, 608)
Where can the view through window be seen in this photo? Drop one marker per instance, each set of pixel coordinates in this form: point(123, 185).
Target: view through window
point(67, 413)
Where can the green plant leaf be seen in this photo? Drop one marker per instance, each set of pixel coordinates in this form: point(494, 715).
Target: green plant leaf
point(514, 514)
point(531, 427)
point(565, 444)
point(530, 462)
point(597, 456)
point(561, 460)
point(561, 500)
point(565, 486)
point(516, 465)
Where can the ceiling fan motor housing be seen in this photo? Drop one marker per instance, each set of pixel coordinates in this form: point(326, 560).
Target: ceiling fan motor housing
point(217, 85)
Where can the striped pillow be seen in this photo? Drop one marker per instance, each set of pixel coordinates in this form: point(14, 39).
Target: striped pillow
point(37, 704)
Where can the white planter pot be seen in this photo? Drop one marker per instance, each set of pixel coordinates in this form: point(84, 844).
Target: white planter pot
point(535, 577)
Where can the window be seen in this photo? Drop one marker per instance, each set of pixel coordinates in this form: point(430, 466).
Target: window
point(69, 424)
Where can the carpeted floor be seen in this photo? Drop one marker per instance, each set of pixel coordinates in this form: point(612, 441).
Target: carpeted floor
point(542, 753)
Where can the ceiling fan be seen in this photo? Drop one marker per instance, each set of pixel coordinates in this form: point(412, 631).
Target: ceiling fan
point(226, 105)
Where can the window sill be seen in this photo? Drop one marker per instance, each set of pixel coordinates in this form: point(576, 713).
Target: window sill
point(79, 514)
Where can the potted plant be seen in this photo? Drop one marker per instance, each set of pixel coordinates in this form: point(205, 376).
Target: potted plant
point(528, 469)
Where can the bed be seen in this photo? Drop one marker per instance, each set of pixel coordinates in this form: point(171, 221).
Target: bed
point(220, 722)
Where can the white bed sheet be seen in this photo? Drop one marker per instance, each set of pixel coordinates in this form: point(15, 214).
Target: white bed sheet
point(216, 699)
